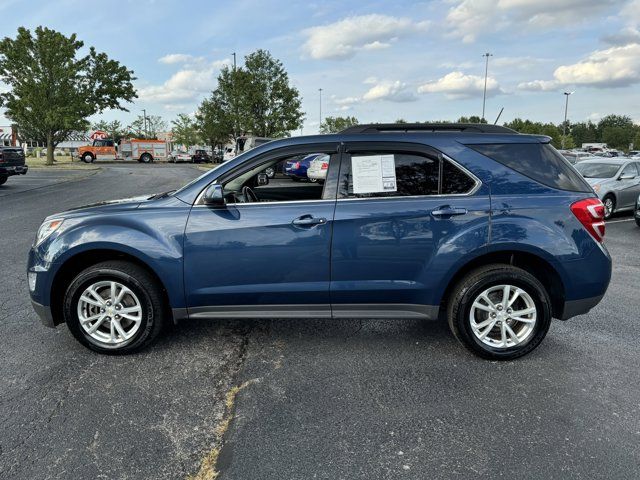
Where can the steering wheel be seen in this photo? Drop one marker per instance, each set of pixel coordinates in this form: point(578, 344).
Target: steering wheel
point(249, 195)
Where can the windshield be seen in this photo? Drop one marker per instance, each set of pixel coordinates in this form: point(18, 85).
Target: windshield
point(597, 170)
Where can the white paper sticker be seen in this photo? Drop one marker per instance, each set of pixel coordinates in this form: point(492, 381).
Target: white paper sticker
point(373, 174)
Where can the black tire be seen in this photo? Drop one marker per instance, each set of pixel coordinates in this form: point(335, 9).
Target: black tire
point(146, 158)
point(472, 285)
point(637, 219)
point(295, 179)
point(87, 158)
point(141, 282)
point(613, 208)
point(3, 179)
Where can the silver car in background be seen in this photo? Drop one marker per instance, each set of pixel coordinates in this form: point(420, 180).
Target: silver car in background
point(615, 180)
point(318, 168)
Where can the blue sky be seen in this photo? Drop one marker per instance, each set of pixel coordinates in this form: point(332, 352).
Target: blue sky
point(376, 60)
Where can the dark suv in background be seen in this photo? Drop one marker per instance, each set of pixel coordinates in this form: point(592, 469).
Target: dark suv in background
point(491, 229)
point(201, 156)
point(11, 162)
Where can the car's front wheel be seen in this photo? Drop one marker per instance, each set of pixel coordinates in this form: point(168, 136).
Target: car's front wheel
point(114, 307)
point(3, 179)
point(499, 312)
point(609, 206)
point(87, 158)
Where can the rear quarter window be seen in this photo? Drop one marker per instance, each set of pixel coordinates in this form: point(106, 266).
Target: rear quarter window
point(538, 161)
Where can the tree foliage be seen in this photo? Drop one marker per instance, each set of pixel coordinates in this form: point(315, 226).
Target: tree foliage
point(154, 125)
point(185, 131)
point(337, 124)
point(53, 90)
point(114, 129)
point(255, 99)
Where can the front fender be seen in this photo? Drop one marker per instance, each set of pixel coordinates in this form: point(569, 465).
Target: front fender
point(155, 238)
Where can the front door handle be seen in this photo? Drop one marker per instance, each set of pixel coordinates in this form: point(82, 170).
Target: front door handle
point(309, 221)
point(448, 211)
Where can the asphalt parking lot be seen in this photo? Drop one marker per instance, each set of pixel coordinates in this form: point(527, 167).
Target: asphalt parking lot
point(319, 399)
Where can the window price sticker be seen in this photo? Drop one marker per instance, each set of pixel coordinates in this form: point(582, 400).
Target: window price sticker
point(373, 174)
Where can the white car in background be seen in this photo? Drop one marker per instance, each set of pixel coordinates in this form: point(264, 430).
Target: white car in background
point(177, 156)
point(318, 168)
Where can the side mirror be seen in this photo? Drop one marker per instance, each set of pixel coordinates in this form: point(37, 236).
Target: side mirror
point(626, 176)
point(263, 179)
point(213, 195)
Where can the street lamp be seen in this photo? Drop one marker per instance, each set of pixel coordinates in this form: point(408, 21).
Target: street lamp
point(486, 73)
point(566, 108)
point(144, 113)
point(320, 126)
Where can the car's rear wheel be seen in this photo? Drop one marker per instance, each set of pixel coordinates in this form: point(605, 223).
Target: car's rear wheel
point(3, 179)
point(114, 307)
point(609, 206)
point(87, 158)
point(499, 312)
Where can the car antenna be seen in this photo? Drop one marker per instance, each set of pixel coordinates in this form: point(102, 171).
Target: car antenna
point(498, 117)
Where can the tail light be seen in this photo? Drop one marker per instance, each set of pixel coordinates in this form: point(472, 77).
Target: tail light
point(296, 165)
point(324, 166)
point(590, 213)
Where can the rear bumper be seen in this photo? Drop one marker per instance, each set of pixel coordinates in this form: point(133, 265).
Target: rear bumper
point(573, 308)
point(44, 312)
point(14, 170)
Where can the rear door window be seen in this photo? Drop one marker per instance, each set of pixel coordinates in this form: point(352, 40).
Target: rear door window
point(399, 174)
point(538, 161)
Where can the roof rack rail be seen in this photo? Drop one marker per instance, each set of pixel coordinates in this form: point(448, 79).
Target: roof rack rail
point(428, 127)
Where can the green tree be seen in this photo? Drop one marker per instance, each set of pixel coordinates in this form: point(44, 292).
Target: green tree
point(214, 121)
point(185, 131)
point(52, 91)
point(114, 129)
point(618, 137)
point(401, 121)
point(154, 125)
point(337, 124)
point(584, 132)
point(568, 142)
point(471, 119)
point(636, 141)
point(267, 105)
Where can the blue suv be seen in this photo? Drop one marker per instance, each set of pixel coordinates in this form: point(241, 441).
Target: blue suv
point(489, 228)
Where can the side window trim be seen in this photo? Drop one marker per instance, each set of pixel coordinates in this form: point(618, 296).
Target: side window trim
point(410, 148)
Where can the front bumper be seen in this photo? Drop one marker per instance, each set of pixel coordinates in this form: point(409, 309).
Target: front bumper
point(14, 170)
point(44, 312)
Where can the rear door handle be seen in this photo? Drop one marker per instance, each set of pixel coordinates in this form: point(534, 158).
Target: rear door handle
point(448, 211)
point(309, 221)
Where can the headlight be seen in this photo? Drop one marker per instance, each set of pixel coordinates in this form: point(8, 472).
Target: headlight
point(46, 229)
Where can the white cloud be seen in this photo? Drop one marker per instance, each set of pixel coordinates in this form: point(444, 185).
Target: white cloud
point(613, 67)
point(391, 91)
point(186, 84)
point(344, 38)
point(459, 85)
point(173, 58)
point(539, 85)
point(470, 18)
point(623, 37)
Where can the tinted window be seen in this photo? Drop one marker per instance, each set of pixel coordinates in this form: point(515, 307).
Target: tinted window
point(630, 170)
point(415, 175)
point(538, 161)
point(454, 180)
point(597, 170)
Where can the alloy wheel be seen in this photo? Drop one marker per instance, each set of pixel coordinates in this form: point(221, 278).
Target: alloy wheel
point(503, 316)
point(109, 312)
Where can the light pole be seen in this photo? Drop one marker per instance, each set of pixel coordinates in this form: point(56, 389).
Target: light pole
point(235, 112)
point(320, 125)
point(144, 113)
point(486, 73)
point(564, 125)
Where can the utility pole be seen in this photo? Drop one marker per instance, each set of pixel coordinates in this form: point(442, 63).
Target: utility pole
point(235, 110)
point(320, 124)
point(564, 125)
point(486, 74)
point(144, 113)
